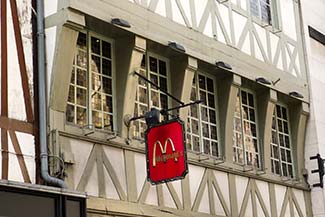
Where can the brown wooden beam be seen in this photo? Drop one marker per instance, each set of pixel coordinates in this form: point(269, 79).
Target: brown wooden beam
point(21, 60)
point(20, 156)
point(5, 159)
point(4, 62)
point(16, 125)
point(4, 87)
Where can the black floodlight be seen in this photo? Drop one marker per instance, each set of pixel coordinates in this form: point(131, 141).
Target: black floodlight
point(176, 46)
point(120, 22)
point(221, 64)
point(152, 117)
point(296, 94)
point(263, 81)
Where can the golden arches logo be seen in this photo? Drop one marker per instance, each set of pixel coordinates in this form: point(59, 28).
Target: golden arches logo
point(164, 157)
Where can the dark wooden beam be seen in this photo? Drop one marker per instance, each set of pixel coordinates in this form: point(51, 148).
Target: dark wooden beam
point(16, 125)
point(4, 87)
point(21, 61)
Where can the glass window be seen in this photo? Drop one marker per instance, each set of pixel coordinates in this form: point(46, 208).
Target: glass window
point(281, 154)
point(155, 68)
point(90, 100)
point(245, 139)
point(262, 10)
point(202, 136)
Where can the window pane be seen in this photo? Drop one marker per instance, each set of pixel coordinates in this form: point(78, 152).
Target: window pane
point(210, 85)
point(95, 45)
point(196, 144)
point(81, 116)
point(70, 113)
point(107, 67)
point(162, 68)
point(95, 64)
point(96, 101)
point(82, 39)
point(106, 49)
point(97, 119)
point(202, 82)
point(81, 78)
point(81, 96)
point(82, 59)
point(71, 94)
point(206, 144)
point(153, 64)
point(108, 104)
point(108, 122)
point(107, 85)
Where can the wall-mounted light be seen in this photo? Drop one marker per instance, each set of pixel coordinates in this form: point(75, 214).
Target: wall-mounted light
point(222, 64)
point(263, 80)
point(152, 117)
point(120, 22)
point(176, 46)
point(296, 94)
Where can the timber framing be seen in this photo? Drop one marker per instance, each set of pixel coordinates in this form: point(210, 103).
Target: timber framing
point(239, 191)
point(243, 64)
point(9, 126)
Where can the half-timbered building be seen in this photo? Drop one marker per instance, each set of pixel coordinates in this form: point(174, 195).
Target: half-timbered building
point(245, 142)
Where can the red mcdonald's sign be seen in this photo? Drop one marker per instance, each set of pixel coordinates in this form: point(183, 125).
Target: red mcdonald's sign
point(166, 152)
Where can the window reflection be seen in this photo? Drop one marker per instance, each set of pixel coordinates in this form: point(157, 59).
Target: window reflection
point(245, 141)
point(281, 156)
point(202, 122)
point(99, 92)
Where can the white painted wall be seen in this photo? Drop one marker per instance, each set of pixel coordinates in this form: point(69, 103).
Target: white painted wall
point(313, 15)
point(50, 7)
point(217, 24)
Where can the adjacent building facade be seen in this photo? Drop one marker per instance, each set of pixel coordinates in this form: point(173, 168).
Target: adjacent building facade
point(314, 38)
point(245, 143)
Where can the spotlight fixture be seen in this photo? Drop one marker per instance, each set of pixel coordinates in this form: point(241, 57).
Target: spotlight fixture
point(296, 94)
point(120, 22)
point(152, 117)
point(263, 80)
point(176, 46)
point(221, 64)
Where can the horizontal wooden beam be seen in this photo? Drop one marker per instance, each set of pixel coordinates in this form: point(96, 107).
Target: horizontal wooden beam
point(16, 125)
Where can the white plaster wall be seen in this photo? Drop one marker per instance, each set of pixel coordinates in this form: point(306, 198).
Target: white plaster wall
point(50, 41)
point(313, 15)
point(50, 7)
point(191, 13)
point(288, 18)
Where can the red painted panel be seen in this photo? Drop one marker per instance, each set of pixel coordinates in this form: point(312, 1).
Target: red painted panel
point(166, 152)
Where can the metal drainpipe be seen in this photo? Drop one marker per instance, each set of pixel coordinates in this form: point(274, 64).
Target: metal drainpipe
point(42, 99)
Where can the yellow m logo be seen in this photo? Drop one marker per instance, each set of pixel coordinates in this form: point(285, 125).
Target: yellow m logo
point(163, 151)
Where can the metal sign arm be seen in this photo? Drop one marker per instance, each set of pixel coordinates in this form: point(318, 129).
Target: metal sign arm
point(155, 85)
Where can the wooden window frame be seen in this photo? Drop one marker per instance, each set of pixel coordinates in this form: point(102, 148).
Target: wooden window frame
point(259, 153)
point(88, 88)
point(278, 145)
point(137, 134)
point(199, 118)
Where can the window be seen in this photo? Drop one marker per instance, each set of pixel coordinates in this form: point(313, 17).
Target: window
point(261, 9)
point(281, 156)
point(245, 138)
point(155, 68)
point(90, 100)
point(202, 120)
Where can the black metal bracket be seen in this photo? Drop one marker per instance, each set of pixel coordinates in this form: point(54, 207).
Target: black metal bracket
point(128, 121)
point(320, 170)
point(157, 86)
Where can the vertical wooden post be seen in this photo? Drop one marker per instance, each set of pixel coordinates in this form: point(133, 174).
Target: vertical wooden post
point(4, 88)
